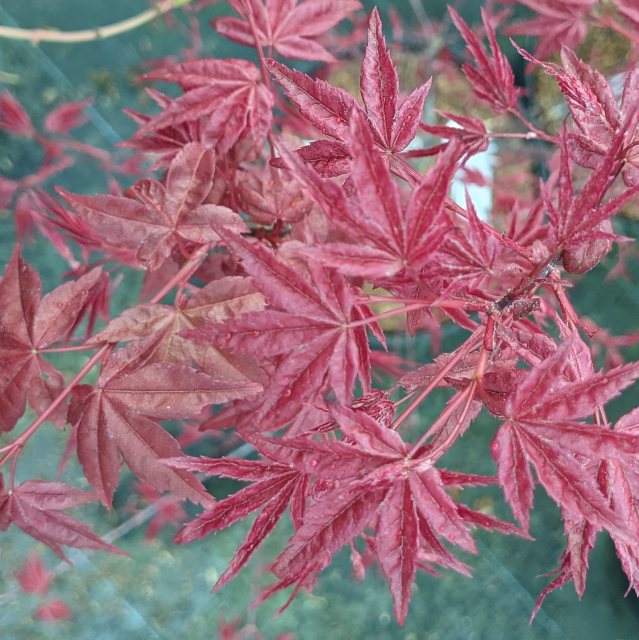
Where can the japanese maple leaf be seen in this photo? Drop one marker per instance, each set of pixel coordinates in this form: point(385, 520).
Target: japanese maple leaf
point(37, 507)
point(573, 564)
point(269, 195)
point(288, 26)
point(116, 419)
point(28, 325)
point(402, 496)
point(224, 96)
point(67, 116)
point(281, 479)
point(52, 611)
point(621, 475)
point(492, 79)
point(166, 141)
point(276, 484)
point(33, 576)
point(328, 108)
point(13, 118)
point(594, 110)
point(542, 429)
point(156, 218)
point(387, 238)
point(470, 132)
point(212, 303)
point(315, 334)
point(469, 251)
point(557, 23)
point(580, 223)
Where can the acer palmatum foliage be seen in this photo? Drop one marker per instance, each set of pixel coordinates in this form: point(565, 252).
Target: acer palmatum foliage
point(280, 202)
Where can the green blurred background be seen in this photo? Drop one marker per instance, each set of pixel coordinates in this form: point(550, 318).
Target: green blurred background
point(162, 591)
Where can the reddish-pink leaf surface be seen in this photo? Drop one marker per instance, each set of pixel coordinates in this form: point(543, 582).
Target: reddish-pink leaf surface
point(28, 324)
point(155, 218)
point(117, 420)
point(52, 611)
point(13, 118)
point(38, 507)
point(557, 23)
point(535, 434)
point(392, 122)
point(318, 318)
point(288, 26)
point(389, 239)
point(33, 576)
point(266, 268)
point(224, 97)
point(492, 78)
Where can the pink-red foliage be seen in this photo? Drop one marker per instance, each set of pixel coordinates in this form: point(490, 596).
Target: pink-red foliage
point(280, 220)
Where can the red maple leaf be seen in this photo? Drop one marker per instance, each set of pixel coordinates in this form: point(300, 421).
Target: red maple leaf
point(33, 576)
point(387, 238)
point(492, 79)
point(387, 486)
point(470, 132)
point(116, 419)
point(557, 23)
point(580, 224)
point(13, 118)
point(288, 26)
point(37, 507)
point(542, 429)
point(595, 113)
point(52, 611)
point(322, 320)
point(155, 218)
point(327, 108)
point(28, 325)
point(225, 97)
point(219, 299)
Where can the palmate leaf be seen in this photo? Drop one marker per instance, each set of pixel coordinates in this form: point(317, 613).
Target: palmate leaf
point(38, 507)
point(307, 333)
point(33, 576)
point(156, 217)
point(274, 487)
point(224, 97)
point(580, 223)
point(288, 26)
point(595, 112)
point(542, 430)
point(404, 498)
point(28, 324)
point(557, 23)
point(393, 123)
point(389, 238)
point(117, 419)
point(492, 79)
point(336, 489)
point(219, 299)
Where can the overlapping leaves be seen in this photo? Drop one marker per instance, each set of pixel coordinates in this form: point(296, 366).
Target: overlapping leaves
point(393, 122)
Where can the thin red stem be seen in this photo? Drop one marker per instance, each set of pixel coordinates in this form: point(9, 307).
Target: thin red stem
point(79, 347)
point(471, 342)
point(542, 135)
point(441, 420)
point(466, 305)
point(18, 443)
point(386, 314)
point(14, 448)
